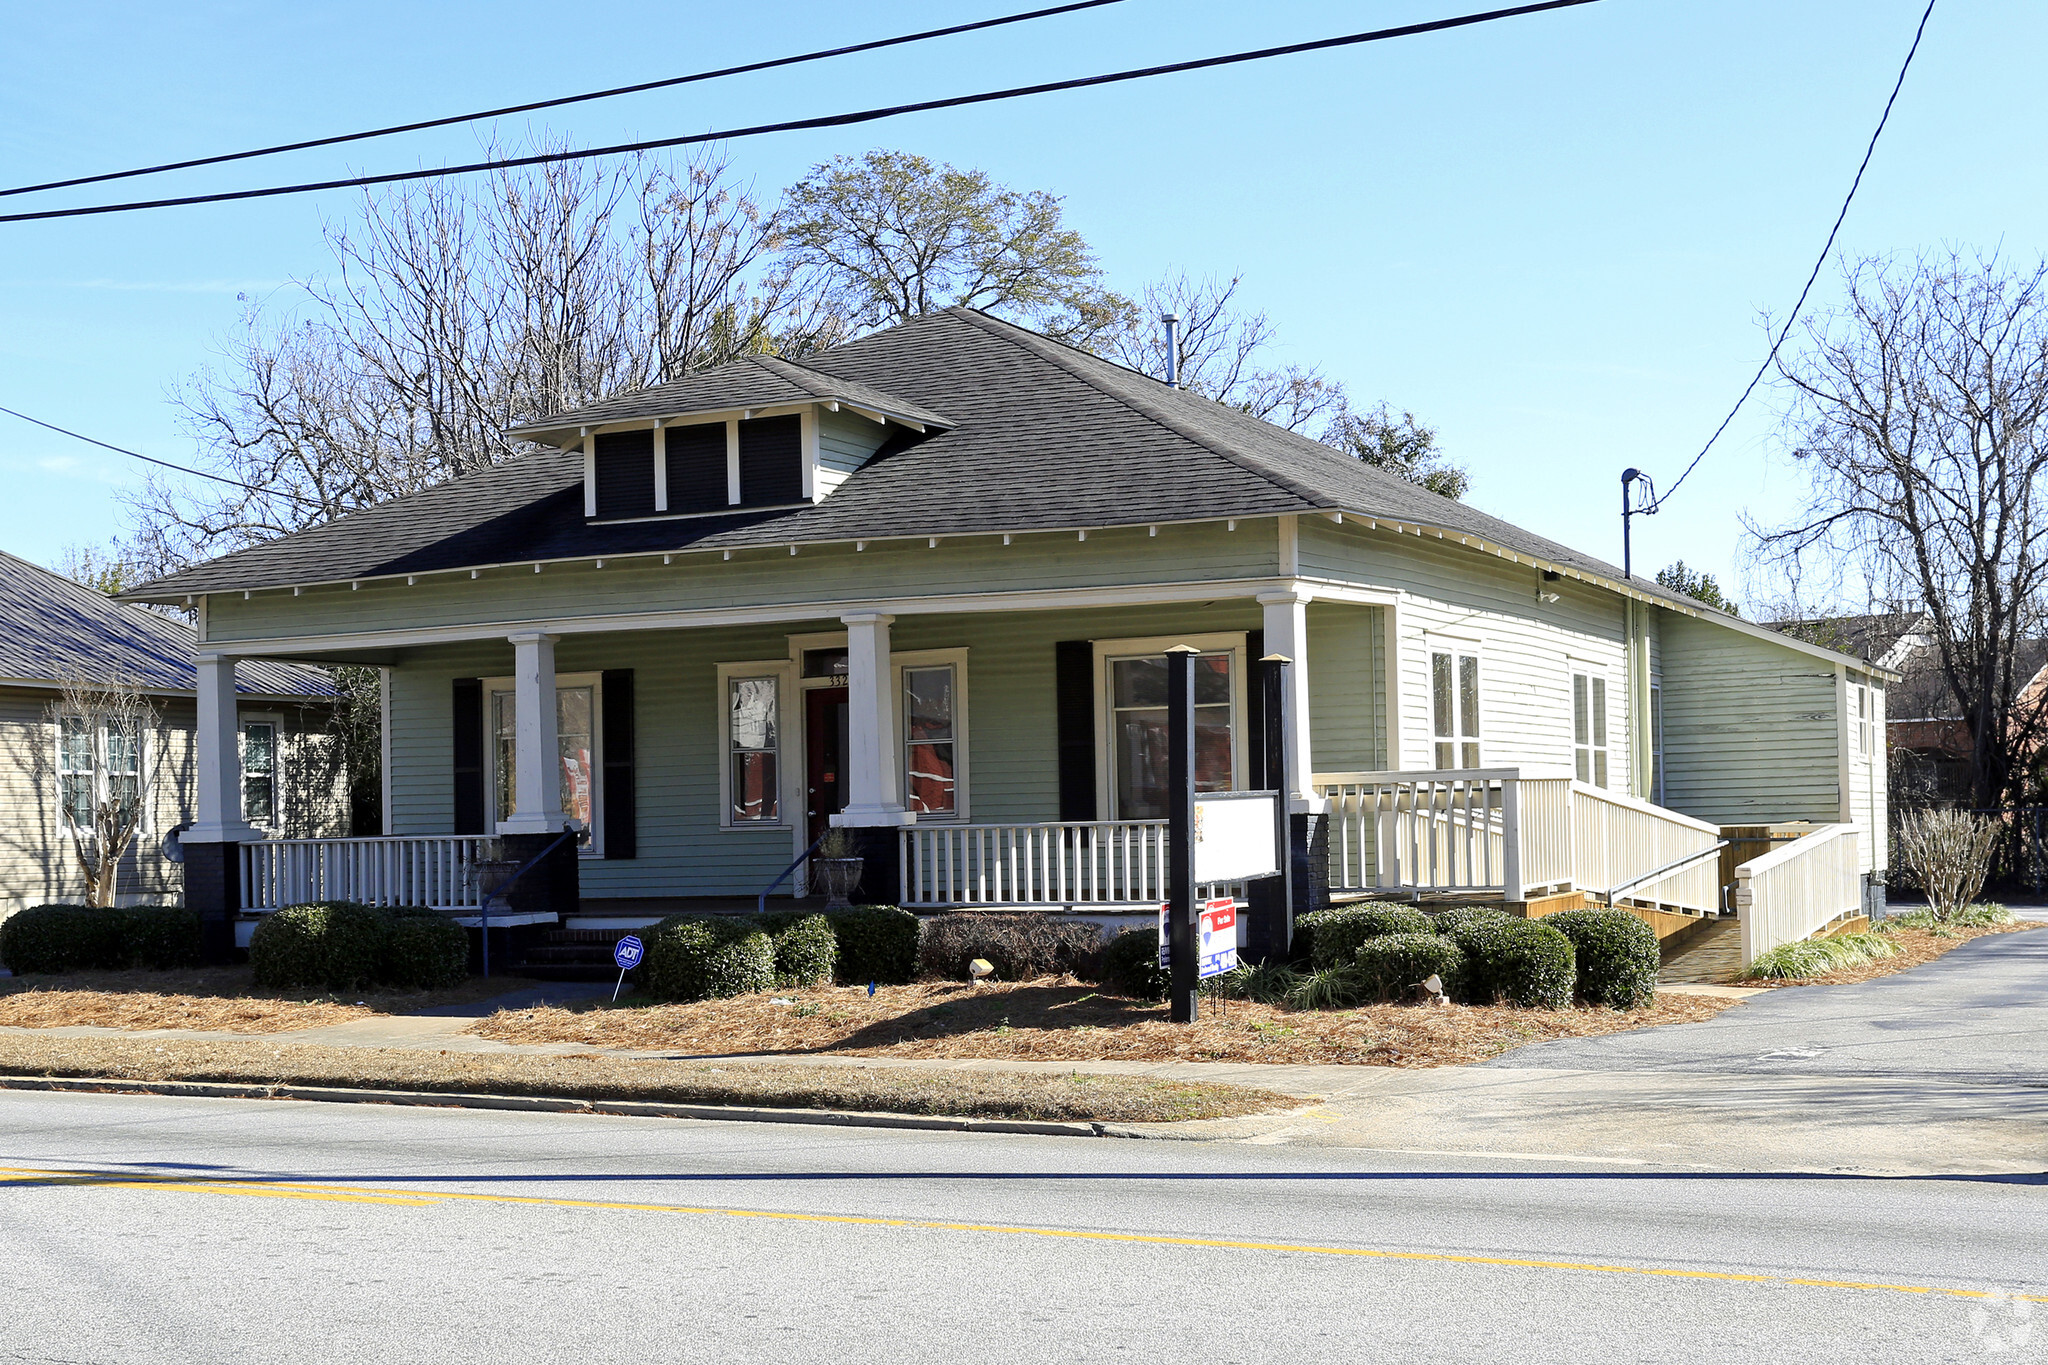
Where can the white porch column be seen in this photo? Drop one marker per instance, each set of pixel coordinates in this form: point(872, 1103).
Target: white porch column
point(1286, 628)
point(874, 792)
point(218, 759)
point(536, 779)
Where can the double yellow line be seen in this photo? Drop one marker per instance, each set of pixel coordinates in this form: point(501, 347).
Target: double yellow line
point(17, 1177)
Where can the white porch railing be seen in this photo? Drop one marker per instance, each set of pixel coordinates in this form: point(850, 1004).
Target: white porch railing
point(1796, 888)
point(1101, 862)
point(431, 870)
point(1493, 830)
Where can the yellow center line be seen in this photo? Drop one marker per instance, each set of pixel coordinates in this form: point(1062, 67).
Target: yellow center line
point(26, 1176)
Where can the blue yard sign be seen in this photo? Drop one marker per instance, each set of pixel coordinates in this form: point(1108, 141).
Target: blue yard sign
point(627, 952)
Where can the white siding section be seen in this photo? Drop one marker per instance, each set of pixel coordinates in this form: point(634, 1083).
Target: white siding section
point(846, 440)
point(1346, 682)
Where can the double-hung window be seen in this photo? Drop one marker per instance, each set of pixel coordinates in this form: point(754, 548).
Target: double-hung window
point(576, 744)
point(1454, 707)
point(930, 741)
point(77, 771)
point(259, 772)
point(98, 766)
point(1139, 749)
point(1589, 728)
point(1866, 722)
point(753, 708)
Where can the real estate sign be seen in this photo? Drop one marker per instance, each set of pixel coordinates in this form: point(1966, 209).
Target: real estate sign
point(1234, 837)
point(1215, 938)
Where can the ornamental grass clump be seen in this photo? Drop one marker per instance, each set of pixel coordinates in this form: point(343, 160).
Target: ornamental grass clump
point(1983, 915)
point(1392, 966)
point(1819, 956)
point(1617, 954)
point(1268, 983)
point(1329, 988)
point(1949, 853)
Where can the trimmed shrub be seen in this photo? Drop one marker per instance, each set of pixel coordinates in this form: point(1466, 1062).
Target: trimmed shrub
point(331, 945)
point(62, 938)
point(1617, 954)
point(1448, 919)
point(806, 950)
point(160, 937)
point(1517, 961)
point(704, 957)
point(1333, 935)
point(420, 949)
point(876, 943)
point(1390, 965)
point(1130, 965)
point(1019, 947)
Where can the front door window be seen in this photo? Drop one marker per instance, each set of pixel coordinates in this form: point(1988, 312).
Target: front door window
point(1138, 732)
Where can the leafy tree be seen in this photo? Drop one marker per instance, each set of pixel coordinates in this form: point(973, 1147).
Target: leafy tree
point(1402, 446)
point(1701, 587)
point(889, 236)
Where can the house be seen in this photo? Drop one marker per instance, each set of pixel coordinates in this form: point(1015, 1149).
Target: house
point(53, 768)
point(919, 586)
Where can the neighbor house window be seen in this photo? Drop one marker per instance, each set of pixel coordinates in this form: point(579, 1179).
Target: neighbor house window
point(259, 772)
point(1866, 722)
point(95, 767)
point(754, 733)
point(1589, 728)
point(1454, 707)
point(1139, 748)
point(930, 741)
point(576, 711)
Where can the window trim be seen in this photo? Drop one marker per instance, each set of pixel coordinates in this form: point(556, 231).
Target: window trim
point(1457, 647)
point(1657, 740)
point(1232, 642)
point(956, 659)
point(144, 777)
point(595, 682)
point(1584, 668)
point(275, 720)
point(787, 722)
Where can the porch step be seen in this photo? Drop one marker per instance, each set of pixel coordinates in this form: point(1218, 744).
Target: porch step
point(570, 955)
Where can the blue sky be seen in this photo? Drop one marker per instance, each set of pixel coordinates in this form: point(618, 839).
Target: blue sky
point(1550, 237)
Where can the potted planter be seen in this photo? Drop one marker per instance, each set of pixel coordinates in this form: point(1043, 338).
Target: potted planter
point(838, 877)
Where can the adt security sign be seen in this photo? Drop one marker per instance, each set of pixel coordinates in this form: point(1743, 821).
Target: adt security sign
point(627, 952)
point(1215, 938)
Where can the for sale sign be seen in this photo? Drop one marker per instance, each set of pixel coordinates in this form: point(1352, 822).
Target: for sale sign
point(1215, 938)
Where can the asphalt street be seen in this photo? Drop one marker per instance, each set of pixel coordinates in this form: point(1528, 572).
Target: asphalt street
point(139, 1228)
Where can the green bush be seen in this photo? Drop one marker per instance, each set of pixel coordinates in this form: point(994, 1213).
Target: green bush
point(1019, 946)
point(62, 938)
point(160, 937)
point(1617, 954)
point(1390, 966)
point(876, 943)
point(1818, 956)
point(420, 949)
point(1334, 935)
point(806, 950)
point(1517, 961)
point(1448, 919)
point(328, 945)
point(1130, 965)
point(704, 957)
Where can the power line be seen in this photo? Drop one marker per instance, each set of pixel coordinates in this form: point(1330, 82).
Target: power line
point(151, 459)
point(528, 108)
point(1826, 248)
point(823, 121)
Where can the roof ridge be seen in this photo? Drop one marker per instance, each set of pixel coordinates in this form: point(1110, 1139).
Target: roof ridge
point(1045, 348)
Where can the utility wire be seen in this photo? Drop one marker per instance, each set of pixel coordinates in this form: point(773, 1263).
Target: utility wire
point(566, 99)
point(1827, 247)
point(823, 121)
point(166, 464)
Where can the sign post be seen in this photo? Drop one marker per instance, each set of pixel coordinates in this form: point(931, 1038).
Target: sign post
point(1180, 834)
point(1276, 940)
point(627, 952)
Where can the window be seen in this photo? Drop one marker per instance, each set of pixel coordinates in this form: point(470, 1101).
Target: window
point(1657, 743)
point(1589, 728)
point(930, 741)
point(95, 768)
point(576, 743)
point(1866, 722)
point(753, 728)
point(76, 771)
point(259, 772)
point(1454, 707)
point(1138, 730)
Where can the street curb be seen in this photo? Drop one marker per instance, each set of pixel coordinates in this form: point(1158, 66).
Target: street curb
point(234, 1090)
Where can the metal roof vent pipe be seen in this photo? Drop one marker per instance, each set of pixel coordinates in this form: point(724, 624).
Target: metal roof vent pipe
point(1172, 321)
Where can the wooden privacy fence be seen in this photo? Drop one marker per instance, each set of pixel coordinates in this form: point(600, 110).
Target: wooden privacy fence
point(1788, 893)
point(436, 870)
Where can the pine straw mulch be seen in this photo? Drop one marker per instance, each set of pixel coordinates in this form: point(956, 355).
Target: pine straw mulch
point(222, 999)
point(1916, 946)
point(1061, 1019)
point(893, 1090)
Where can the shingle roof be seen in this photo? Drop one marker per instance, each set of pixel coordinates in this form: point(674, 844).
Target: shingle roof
point(52, 628)
point(757, 381)
point(1042, 437)
point(1871, 637)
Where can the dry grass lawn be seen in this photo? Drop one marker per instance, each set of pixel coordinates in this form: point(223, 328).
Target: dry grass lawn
point(1060, 1019)
point(222, 999)
point(1916, 946)
point(897, 1090)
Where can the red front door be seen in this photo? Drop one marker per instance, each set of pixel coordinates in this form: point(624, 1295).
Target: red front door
point(825, 756)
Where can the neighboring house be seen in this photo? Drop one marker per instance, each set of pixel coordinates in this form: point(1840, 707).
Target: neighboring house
point(53, 630)
point(920, 585)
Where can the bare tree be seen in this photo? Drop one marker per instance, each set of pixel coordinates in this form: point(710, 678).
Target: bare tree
point(1918, 410)
point(111, 740)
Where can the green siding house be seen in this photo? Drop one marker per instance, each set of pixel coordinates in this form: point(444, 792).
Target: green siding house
point(920, 586)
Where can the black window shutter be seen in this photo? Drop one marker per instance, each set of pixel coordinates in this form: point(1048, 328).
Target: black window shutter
point(771, 461)
point(1255, 710)
point(620, 838)
point(625, 474)
point(469, 756)
point(696, 467)
point(1074, 699)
